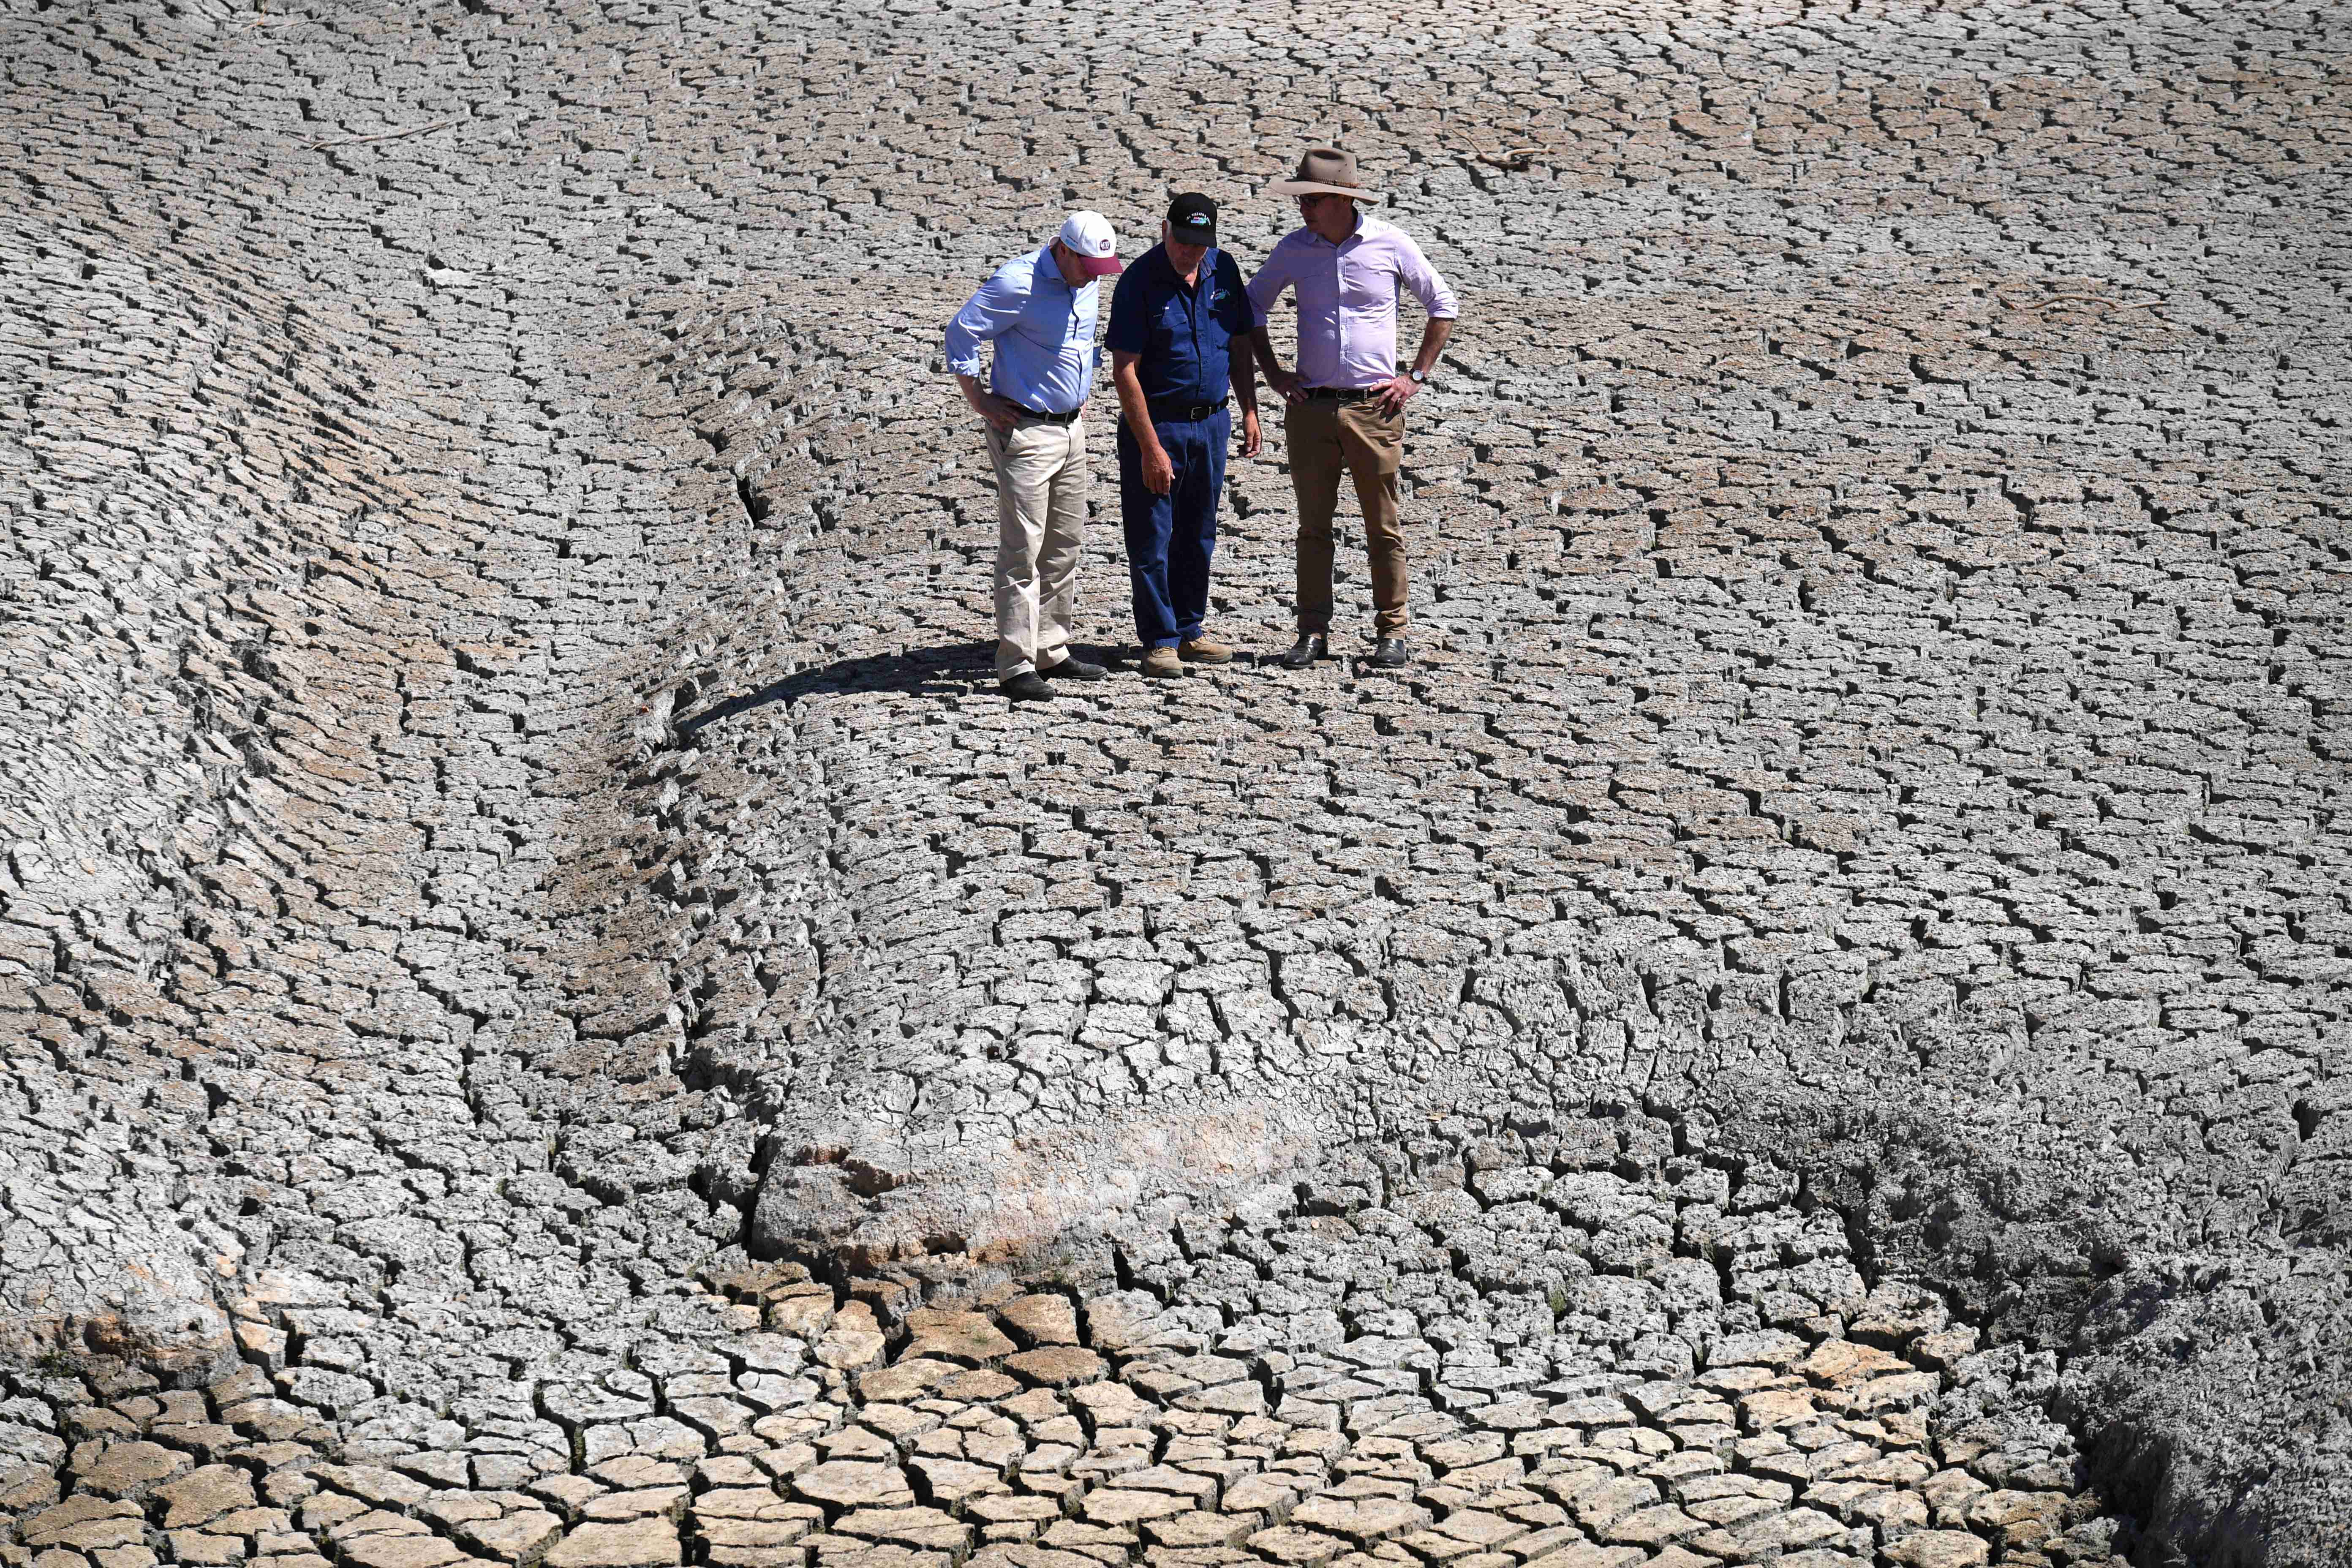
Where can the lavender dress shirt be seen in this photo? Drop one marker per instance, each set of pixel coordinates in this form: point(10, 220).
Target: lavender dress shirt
point(1347, 297)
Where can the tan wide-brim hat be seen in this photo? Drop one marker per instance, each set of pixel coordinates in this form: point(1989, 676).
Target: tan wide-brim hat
point(1323, 171)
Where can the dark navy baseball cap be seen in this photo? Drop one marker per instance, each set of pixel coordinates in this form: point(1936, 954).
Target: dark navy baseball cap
point(1192, 218)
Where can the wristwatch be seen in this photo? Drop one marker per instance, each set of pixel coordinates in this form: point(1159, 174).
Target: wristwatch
point(1418, 377)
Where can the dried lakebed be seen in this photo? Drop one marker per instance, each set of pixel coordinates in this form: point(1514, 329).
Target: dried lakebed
point(552, 1016)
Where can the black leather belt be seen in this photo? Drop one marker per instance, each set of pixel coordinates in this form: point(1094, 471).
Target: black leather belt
point(1041, 414)
point(1342, 393)
point(1182, 413)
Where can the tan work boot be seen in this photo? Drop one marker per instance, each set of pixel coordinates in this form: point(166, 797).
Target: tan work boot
point(1201, 650)
point(1161, 663)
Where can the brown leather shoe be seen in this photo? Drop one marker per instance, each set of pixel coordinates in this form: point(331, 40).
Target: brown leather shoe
point(1201, 650)
point(1161, 664)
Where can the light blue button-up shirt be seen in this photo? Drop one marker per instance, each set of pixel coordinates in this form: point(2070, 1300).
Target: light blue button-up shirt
point(1044, 330)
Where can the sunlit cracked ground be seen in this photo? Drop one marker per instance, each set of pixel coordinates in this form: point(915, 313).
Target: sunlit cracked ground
point(553, 1015)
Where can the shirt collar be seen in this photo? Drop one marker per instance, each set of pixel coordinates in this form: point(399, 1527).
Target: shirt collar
point(1049, 273)
point(1364, 225)
point(1167, 263)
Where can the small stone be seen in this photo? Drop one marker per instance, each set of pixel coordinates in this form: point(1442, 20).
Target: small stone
point(952, 1481)
point(196, 1547)
point(1601, 1502)
point(744, 1536)
point(978, 1385)
point(1653, 1526)
point(1585, 1555)
point(126, 1469)
point(908, 1379)
point(1895, 1313)
point(918, 1529)
point(1898, 1391)
point(1200, 1527)
point(521, 1537)
point(854, 1483)
point(853, 1341)
point(569, 1493)
point(391, 1551)
point(1057, 1366)
point(748, 1533)
point(645, 1503)
point(1005, 1508)
point(635, 1471)
point(1790, 1532)
point(374, 1485)
point(1360, 1519)
point(1295, 1548)
point(1893, 1512)
point(638, 1544)
point(1775, 1408)
point(1940, 1350)
point(205, 1493)
point(1043, 1320)
point(1937, 1549)
point(1841, 1364)
point(966, 1336)
point(1111, 1506)
point(85, 1522)
point(744, 1502)
point(453, 1508)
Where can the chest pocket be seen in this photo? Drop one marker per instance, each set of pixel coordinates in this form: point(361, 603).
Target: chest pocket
point(1176, 321)
point(1365, 288)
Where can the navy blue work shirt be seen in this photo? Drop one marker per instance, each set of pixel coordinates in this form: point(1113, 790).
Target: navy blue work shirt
point(1179, 331)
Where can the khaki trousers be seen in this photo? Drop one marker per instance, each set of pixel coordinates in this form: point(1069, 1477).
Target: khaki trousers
point(1041, 519)
point(1324, 439)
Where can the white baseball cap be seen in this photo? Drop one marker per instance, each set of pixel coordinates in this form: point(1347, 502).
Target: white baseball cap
point(1089, 238)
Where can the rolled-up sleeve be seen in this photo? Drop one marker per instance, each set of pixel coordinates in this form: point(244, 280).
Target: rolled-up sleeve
point(1436, 295)
point(1267, 287)
point(987, 314)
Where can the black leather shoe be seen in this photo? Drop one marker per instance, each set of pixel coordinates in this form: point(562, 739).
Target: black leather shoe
point(1025, 687)
point(1388, 654)
point(1075, 669)
point(1310, 647)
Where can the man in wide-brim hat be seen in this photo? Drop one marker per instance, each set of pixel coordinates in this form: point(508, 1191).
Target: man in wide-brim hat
point(1345, 402)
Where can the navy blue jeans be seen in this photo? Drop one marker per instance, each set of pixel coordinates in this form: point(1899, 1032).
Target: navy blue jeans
point(1170, 538)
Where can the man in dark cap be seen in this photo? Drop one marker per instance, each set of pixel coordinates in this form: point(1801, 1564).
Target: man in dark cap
point(1179, 343)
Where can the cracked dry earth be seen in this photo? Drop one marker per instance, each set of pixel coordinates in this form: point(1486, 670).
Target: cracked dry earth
point(553, 1016)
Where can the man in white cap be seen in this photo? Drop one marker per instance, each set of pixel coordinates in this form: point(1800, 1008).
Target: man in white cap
point(1039, 310)
point(1346, 401)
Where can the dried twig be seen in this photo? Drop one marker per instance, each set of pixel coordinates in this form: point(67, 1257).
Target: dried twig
point(2101, 299)
point(385, 135)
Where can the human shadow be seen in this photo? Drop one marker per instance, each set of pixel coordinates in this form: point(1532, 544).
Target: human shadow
point(951, 669)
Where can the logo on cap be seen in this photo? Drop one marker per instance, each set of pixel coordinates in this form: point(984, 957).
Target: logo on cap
point(1192, 213)
point(1089, 237)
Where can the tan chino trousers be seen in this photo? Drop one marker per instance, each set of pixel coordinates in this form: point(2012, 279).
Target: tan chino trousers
point(1041, 519)
point(1324, 440)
